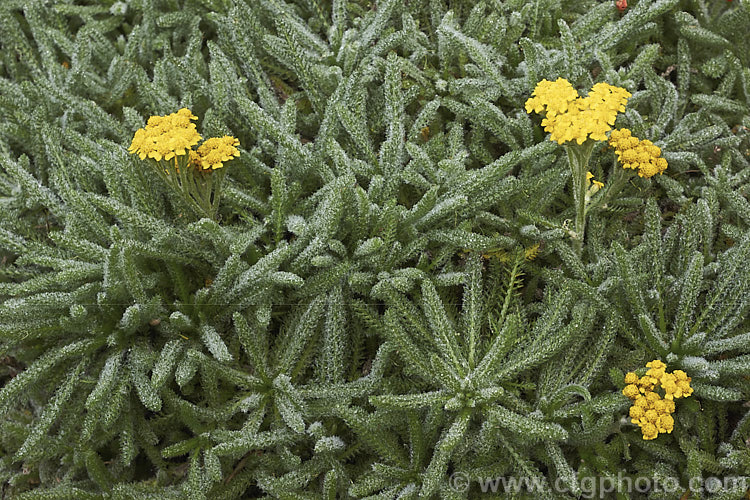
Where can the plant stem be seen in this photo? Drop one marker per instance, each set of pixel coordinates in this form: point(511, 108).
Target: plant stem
point(217, 177)
point(198, 189)
point(578, 159)
point(615, 182)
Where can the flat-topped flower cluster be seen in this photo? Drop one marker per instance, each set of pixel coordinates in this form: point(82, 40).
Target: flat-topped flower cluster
point(651, 412)
point(570, 117)
point(166, 137)
point(636, 154)
point(214, 151)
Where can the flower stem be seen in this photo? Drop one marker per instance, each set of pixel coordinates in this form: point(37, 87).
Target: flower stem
point(200, 191)
point(615, 182)
point(578, 159)
point(215, 191)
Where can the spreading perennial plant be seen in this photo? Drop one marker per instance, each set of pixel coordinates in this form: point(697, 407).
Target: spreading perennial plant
point(310, 333)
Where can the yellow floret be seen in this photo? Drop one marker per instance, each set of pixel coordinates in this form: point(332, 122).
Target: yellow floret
point(631, 391)
point(646, 383)
point(643, 157)
point(636, 413)
point(681, 375)
point(619, 135)
point(671, 389)
point(186, 113)
point(683, 389)
point(661, 406)
point(628, 156)
point(667, 378)
point(649, 431)
point(651, 416)
point(665, 424)
point(552, 97)
point(652, 397)
point(670, 406)
point(598, 185)
point(631, 378)
point(656, 364)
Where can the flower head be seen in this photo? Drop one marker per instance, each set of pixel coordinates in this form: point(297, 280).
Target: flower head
point(631, 391)
point(215, 151)
point(569, 117)
point(636, 413)
point(665, 423)
point(165, 137)
point(635, 154)
point(651, 412)
point(553, 98)
point(649, 431)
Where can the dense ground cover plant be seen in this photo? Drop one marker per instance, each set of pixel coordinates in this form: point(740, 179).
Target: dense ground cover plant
point(390, 291)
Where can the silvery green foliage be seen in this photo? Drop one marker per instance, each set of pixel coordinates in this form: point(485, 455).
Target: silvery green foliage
point(336, 333)
point(692, 309)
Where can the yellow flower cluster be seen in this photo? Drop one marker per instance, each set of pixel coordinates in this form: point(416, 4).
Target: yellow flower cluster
point(216, 150)
point(636, 154)
point(570, 117)
point(166, 136)
point(649, 411)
